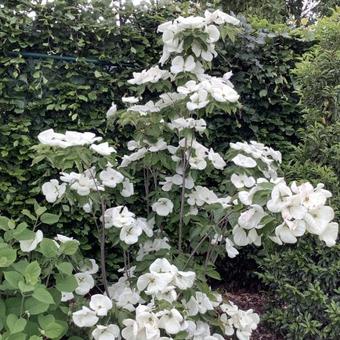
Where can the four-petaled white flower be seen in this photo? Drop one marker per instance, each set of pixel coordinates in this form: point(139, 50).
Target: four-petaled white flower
point(101, 304)
point(85, 283)
point(171, 321)
point(163, 207)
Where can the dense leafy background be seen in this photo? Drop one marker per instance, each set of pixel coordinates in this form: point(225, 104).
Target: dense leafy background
point(305, 280)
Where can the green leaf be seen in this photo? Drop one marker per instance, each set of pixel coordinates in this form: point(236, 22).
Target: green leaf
point(32, 273)
point(25, 288)
point(14, 324)
point(65, 268)
point(13, 278)
point(69, 247)
point(4, 223)
point(48, 248)
point(28, 214)
point(43, 295)
point(35, 307)
point(48, 218)
point(66, 283)
point(7, 256)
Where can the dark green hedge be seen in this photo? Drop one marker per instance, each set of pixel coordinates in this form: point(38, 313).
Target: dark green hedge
point(305, 279)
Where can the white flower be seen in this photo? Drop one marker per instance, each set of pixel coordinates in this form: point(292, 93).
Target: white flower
point(87, 207)
point(218, 17)
point(70, 138)
point(171, 321)
point(168, 294)
point(85, 317)
point(127, 298)
point(103, 149)
point(163, 207)
point(130, 233)
point(240, 181)
point(153, 283)
point(89, 266)
point(288, 231)
point(244, 161)
point(118, 217)
point(66, 296)
point(252, 217)
point(109, 332)
point(317, 219)
point(240, 236)
point(280, 197)
point(111, 111)
point(132, 145)
point(130, 332)
point(152, 75)
point(178, 64)
point(130, 100)
point(53, 190)
point(198, 304)
point(29, 245)
point(229, 247)
point(110, 177)
point(184, 280)
point(85, 283)
point(216, 160)
point(101, 304)
point(330, 234)
point(63, 239)
point(158, 146)
point(128, 189)
point(143, 110)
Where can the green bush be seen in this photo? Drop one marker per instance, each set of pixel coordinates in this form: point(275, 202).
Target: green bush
point(305, 279)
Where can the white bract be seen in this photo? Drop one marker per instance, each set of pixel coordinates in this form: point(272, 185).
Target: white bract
point(103, 149)
point(163, 207)
point(53, 190)
point(85, 317)
point(109, 332)
point(29, 245)
point(101, 304)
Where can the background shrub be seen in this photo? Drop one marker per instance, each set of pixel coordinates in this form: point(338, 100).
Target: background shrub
point(305, 279)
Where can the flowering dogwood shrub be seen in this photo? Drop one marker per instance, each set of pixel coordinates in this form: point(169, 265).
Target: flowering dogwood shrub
point(164, 294)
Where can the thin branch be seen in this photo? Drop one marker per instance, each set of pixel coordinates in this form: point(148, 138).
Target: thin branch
point(195, 250)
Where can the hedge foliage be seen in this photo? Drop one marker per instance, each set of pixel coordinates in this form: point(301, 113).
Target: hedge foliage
point(305, 280)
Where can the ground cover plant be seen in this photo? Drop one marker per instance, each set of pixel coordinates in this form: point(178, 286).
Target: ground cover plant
point(171, 245)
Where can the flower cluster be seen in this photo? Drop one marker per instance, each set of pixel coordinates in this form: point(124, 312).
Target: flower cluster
point(207, 89)
point(87, 182)
point(244, 322)
point(74, 138)
point(130, 227)
point(254, 154)
point(302, 208)
point(173, 35)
